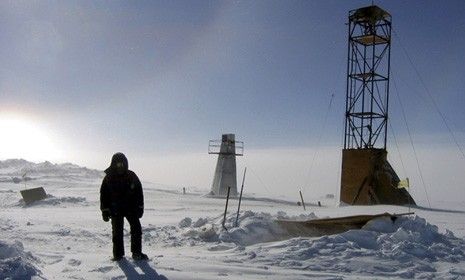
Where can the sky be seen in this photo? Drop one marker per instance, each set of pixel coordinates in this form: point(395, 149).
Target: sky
point(81, 80)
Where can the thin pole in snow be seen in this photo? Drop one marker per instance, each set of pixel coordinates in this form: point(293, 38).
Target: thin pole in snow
point(226, 208)
point(302, 198)
point(408, 192)
point(24, 179)
point(240, 197)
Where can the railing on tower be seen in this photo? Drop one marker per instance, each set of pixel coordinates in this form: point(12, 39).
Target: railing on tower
point(227, 147)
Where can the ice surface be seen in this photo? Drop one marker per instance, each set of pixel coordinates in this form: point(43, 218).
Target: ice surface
point(63, 236)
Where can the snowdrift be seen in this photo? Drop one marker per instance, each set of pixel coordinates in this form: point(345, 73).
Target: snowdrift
point(404, 248)
point(15, 263)
point(407, 247)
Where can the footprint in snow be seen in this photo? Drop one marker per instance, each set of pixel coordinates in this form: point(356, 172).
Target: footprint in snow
point(103, 269)
point(74, 262)
point(50, 258)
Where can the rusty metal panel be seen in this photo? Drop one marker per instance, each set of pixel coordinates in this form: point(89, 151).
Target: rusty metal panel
point(367, 178)
point(357, 170)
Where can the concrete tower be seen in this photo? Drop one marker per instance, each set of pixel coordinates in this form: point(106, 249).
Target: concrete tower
point(225, 172)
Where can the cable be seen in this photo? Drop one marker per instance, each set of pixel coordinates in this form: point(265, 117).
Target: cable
point(398, 149)
point(411, 141)
point(402, 163)
point(259, 179)
point(319, 141)
point(430, 96)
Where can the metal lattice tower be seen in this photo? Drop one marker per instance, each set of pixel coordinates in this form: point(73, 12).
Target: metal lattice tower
point(368, 68)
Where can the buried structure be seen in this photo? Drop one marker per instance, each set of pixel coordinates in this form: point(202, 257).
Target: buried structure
point(367, 177)
point(225, 172)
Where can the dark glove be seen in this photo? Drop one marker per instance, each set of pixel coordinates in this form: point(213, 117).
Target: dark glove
point(106, 215)
point(140, 212)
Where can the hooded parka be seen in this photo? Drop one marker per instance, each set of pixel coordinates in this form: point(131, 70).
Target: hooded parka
point(121, 191)
point(121, 197)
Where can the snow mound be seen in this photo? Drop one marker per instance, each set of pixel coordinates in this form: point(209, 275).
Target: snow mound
point(404, 248)
point(408, 247)
point(186, 222)
point(253, 228)
point(15, 263)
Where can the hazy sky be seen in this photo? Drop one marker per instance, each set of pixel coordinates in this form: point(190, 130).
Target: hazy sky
point(158, 79)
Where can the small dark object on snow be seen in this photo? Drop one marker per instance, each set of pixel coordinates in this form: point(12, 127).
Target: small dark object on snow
point(31, 195)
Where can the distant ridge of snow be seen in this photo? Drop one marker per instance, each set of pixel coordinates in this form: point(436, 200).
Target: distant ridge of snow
point(30, 170)
point(13, 162)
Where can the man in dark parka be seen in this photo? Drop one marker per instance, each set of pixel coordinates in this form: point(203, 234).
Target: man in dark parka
point(121, 197)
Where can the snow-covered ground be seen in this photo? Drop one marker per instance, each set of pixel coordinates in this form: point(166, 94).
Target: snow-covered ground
point(64, 237)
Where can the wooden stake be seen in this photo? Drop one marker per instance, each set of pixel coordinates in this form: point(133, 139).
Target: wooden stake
point(302, 198)
point(240, 198)
point(226, 208)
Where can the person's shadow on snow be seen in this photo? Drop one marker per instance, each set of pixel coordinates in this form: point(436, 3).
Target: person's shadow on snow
point(131, 273)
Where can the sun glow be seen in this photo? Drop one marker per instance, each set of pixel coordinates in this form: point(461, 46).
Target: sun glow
point(21, 138)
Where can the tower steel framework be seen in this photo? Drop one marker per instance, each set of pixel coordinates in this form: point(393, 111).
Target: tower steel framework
point(368, 68)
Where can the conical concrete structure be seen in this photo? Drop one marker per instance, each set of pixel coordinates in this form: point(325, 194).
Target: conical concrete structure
point(225, 171)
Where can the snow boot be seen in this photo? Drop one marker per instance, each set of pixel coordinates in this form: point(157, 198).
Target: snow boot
point(117, 258)
point(139, 257)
